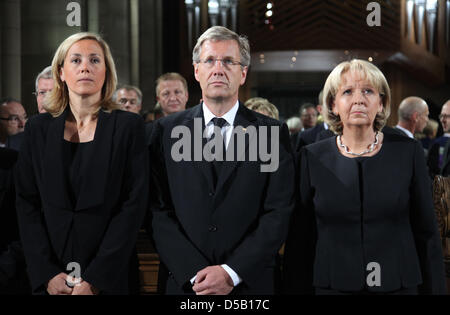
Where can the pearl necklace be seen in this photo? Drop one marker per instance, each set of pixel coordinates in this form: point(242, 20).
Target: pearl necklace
point(369, 150)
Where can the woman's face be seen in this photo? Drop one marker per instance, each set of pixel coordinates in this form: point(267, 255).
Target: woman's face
point(84, 69)
point(357, 102)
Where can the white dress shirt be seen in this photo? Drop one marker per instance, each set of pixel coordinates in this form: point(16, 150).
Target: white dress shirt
point(227, 131)
point(409, 133)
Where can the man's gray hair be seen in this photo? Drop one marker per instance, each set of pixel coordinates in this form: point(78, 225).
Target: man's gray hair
point(409, 106)
point(45, 74)
point(128, 88)
point(220, 33)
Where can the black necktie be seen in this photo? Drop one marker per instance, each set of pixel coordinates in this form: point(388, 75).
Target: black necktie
point(217, 165)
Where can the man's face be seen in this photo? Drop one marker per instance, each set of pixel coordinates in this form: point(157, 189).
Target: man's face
point(44, 86)
point(422, 120)
point(13, 118)
point(309, 117)
point(444, 117)
point(129, 101)
point(218, 73)
point(172, 96)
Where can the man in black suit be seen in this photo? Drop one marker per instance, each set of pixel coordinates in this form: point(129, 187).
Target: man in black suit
point(319, 132)
point(12, 122)
point(412, 116)
point(13, 276)
point(218, 225)
point(438, 159)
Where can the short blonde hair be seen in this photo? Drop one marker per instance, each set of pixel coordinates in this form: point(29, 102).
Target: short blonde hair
point(370, 73)
point(171, 76)
point(58, 99)
point(262, 104)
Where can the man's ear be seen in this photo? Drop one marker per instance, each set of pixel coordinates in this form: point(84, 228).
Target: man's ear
point(244, 75)
point(196, 71)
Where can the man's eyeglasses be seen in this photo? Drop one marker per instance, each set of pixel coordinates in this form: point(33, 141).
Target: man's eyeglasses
point(15, 119)
point(132, 101)
point(444, 116)
point(226, 63)
point(41, 93)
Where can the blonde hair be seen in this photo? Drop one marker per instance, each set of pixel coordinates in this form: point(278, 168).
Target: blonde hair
point(58, 99)
point(370, 73)
point(171, 76)
point(259, 104)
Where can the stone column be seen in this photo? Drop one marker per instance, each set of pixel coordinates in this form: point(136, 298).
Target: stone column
point(10, 68)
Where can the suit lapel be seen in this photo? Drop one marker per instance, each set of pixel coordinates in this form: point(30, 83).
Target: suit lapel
point(95, 172)
point(446, 157)
point(54, 186)
point(244, 118)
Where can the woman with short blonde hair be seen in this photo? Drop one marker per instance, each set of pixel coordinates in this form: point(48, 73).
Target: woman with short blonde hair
point(365, 222)
point(368, 72)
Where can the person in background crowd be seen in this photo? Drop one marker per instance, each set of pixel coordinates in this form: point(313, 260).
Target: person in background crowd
point(412, 116)
point(12, 122)
point(129, 98)
point(319, 132)
point(294, 124)
point(44, 85)
point(438, 153)
point(262, 106)
point(308, 115)
point(172, 93)
point(428, 135)
point(13, 274)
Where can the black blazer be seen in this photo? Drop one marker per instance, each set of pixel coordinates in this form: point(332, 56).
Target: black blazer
point(14, 142)
point(306, 137)
point(351, 214)
point(105, 219)
point(242, 222)
point(8, 219)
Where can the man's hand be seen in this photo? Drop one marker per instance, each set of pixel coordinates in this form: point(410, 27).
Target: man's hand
point(57, 285)
point(213, 280)
point(84, 288)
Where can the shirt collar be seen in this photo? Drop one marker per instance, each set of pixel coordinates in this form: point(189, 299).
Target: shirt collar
point(228, 116)
point(409, 133)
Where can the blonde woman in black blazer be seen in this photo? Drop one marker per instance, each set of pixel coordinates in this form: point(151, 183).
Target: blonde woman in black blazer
point(365, 222)
point(82, 178)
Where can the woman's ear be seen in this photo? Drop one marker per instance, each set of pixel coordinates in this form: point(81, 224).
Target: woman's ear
point(61, 74)
point(334, 108)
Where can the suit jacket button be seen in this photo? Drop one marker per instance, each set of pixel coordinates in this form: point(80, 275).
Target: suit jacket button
point(211, 193)
point(212, 228)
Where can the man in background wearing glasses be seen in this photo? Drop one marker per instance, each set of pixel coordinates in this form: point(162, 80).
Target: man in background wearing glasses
point(12, 121)
point(129, 98)
point(438, 161)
